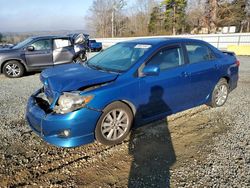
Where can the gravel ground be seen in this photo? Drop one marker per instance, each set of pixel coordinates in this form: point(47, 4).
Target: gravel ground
point(201, 147)
point(228, 163)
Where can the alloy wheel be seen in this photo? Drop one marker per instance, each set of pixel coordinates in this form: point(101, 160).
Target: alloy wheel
point(13, 70)
point(115, 124)
point(221, 95)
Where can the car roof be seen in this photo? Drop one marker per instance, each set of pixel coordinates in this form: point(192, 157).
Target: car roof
point(161, 40)
point(69, 36)
point(50, 37)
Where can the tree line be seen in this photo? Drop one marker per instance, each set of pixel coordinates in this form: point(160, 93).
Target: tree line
point(107, 18)
point(13, 38)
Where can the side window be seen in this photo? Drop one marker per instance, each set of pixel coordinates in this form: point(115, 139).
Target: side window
point(198, 53)
point(42, 45)
point(168, 58)
point(61, 43)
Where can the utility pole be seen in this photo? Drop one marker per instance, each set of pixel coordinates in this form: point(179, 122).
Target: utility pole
point(248, 26)
point(112, 21)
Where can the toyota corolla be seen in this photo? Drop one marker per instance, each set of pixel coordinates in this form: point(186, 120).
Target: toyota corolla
point(126, 86)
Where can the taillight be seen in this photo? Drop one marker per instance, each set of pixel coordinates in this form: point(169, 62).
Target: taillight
point(237, 62)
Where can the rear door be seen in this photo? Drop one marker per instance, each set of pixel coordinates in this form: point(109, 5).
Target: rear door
point(203, 70)
point(41, 56)
point(63, 51)
point(169, 92)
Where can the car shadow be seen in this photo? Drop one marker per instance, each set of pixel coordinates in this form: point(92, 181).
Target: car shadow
point(151, 148)
point(26, 74)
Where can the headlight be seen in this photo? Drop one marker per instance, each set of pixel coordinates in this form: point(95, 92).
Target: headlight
point(69, 102)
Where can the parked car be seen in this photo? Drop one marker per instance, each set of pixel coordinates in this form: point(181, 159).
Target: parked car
point(6, 45)
point(95, 46)
point(38, 53)
point(126, 86)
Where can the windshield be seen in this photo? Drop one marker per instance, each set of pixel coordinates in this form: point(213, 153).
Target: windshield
point(23, 43)
point(119, 57)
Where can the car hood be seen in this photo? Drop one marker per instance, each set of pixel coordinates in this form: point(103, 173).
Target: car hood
point(7, 50)
point(71, 77)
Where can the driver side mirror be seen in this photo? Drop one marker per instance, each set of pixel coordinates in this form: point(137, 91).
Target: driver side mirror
point(151, 70)
point(30, 48)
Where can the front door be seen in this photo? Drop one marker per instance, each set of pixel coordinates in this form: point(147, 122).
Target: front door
point(169, 92)
point(41, 56)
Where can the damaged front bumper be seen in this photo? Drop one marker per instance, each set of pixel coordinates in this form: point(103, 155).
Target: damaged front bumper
point(68, 130)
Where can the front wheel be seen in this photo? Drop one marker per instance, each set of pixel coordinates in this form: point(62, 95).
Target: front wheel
point(13, 69)
point(220, 93)
point(114, 125)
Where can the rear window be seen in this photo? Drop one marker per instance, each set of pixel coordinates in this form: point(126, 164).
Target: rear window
point(199, 53)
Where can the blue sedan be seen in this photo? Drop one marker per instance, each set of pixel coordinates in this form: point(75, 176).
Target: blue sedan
point(126, 86)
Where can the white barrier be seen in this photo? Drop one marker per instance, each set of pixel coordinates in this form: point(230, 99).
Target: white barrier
point(221, 41)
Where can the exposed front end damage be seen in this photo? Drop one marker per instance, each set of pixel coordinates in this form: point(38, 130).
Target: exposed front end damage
point(65, 130)
point(57, 115)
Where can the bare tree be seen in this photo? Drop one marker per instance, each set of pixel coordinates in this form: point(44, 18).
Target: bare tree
point(211, 8)
point(139, 17)
point(194, 19)
point(233, 13)
point(248, 16)
point(144, 17)
point(101, 17)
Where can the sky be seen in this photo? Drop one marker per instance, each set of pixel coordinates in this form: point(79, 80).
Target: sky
point(42, 15)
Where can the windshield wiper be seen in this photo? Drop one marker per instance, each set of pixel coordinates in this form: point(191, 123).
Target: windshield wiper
point(95, 67)
point(88, 65)
point(101, 68)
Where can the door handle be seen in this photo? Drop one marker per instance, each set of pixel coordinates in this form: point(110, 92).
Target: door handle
point(184, 74)
point(216, 66)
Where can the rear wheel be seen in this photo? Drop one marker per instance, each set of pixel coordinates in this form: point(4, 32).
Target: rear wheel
point(13, 69)
point(114, 125)
point(220, 93)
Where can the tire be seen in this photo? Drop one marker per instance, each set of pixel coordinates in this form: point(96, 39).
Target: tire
point(110, 130)
point(220, 93)
point(13, 69)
